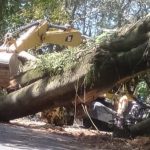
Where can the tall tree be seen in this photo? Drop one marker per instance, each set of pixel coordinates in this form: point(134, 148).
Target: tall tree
point(3, 5)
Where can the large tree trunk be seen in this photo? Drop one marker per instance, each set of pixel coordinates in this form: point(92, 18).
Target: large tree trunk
point(141, 128)
point(100, 69)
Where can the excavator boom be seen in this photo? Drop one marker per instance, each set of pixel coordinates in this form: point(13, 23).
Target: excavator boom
point(41, 32)
point(30, 37)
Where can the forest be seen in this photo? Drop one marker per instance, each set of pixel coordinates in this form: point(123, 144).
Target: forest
point(113, 56)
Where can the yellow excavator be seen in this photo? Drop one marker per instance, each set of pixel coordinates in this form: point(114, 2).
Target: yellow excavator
point(28, 37)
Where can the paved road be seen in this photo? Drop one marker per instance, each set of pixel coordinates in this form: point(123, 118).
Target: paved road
point(20, 138)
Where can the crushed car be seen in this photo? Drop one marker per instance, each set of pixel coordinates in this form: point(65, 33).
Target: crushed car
point(106, 118)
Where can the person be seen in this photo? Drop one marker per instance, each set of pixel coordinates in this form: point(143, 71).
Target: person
point(122, 107)
point(129, 107)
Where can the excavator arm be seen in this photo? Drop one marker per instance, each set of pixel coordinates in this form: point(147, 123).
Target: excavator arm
point(31, 36)
point(41, 32)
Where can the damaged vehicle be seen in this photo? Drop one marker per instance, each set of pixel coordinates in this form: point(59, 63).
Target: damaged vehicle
point(104, 116)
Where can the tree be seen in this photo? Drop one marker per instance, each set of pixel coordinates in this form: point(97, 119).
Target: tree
point(98, 69)
point(91, 17)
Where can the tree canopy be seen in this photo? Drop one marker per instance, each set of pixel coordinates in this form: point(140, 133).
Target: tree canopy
point(92, 17)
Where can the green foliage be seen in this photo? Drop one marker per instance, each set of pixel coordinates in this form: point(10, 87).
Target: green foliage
point(105, 36)
point(67, 60)
point(89, 16)
point(9, 7)
point(49, 9)
point(142, 89)
point(18, 14)
point(59, 62)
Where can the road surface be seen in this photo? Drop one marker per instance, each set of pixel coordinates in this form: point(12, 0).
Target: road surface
point(20, 138)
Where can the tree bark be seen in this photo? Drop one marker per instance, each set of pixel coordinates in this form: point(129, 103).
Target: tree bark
point(1, 13)
point(141, 128)
point(129, 37)
point(100, 69)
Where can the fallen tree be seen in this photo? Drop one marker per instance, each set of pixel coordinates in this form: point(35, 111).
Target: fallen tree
point(141, 128)
point(98, 68)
